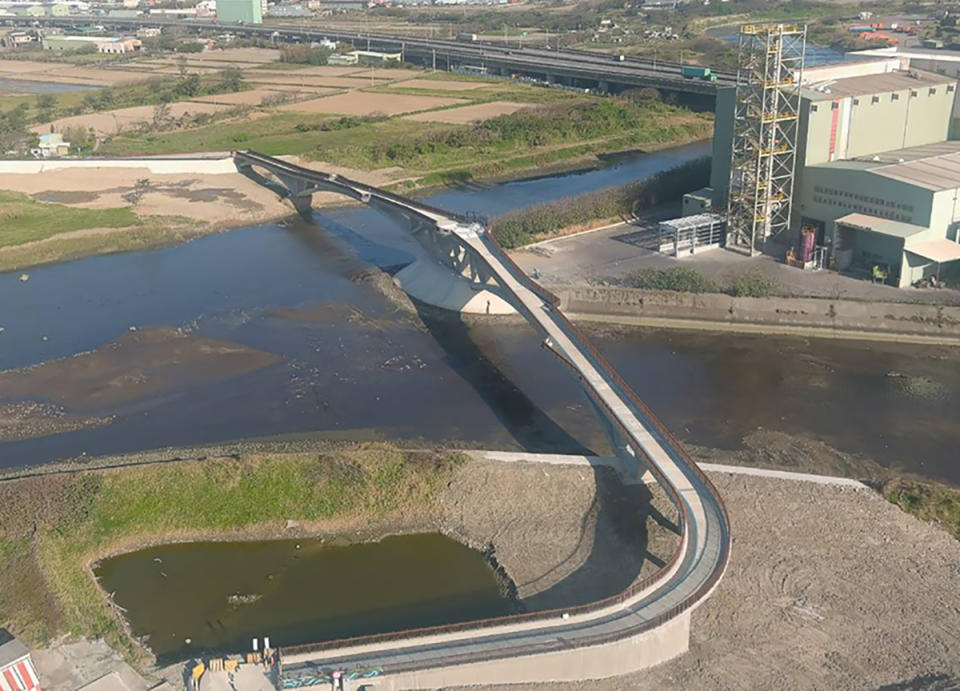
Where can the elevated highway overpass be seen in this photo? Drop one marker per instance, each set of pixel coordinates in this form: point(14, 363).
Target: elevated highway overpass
point(645, 624)
point(576, 68)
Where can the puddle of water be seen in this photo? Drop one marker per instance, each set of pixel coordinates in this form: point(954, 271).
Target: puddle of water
point(20, 86)
point(220, 595)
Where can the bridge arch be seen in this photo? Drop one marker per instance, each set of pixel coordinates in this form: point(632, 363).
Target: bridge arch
point(447, 274)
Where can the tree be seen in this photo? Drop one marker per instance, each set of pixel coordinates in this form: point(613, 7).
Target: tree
point(189, 86)
point(46, 104)
point(81, 140)
point(182, 65)
point(231, 79)
point(161, 114)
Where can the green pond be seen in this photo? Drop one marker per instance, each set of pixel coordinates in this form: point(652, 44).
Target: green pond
point(193, 597)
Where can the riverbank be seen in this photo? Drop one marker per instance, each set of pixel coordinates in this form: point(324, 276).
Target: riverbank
point(55, 526)
point(797, 316)
point(562, 534)
point(128, 209)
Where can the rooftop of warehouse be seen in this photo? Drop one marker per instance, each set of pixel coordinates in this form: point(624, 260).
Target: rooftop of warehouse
point(931, 166)
point(884, 226)
point(912, 52)
point(886, 82)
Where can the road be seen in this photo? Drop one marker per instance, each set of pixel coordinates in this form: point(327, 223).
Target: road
point(686, 581)
point(579, 68)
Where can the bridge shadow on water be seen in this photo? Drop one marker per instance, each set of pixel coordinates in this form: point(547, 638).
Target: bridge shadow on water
point(614, 543)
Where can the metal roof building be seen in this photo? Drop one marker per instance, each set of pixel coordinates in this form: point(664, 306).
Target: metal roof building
point(17, 672)
point(877, 176)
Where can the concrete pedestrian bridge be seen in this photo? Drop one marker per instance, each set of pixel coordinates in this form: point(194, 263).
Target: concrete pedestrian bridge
point(642, 626)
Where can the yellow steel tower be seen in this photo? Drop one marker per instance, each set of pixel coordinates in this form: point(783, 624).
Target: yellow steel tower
point(766, 113)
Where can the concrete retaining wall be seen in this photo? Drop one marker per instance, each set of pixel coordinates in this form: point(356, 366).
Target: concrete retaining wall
point(579, 664)
point(158, 166)
point(821, 313)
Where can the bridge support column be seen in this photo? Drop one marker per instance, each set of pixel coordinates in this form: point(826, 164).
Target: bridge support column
point(303, 203)
point(603, 86)
point(632, 463)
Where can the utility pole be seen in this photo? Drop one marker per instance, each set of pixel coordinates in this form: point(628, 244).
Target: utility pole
point(434, 59)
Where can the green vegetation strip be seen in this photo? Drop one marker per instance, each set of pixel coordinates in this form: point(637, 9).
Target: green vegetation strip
point(442, 152)
point(23, 219)
point(53, 527)
point(748, 284)
point(927, 501)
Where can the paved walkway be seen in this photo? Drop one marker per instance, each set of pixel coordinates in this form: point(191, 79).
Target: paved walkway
point(647, 478)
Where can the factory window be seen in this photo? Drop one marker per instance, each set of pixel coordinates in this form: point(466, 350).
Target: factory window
point(951, 88)
point(834, 105)
point(894, 97)
point(875, 99)
point(814, 109)
point(856, 101)
point(932, 91)
point(913, 93)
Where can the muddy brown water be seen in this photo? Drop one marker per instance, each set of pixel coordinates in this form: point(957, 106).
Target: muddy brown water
point(277, 333)
point(184, 599)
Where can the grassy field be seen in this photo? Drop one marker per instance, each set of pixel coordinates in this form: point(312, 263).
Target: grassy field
point(277, 134)
point(53, 527)
point(24, 219)
point(437, 153)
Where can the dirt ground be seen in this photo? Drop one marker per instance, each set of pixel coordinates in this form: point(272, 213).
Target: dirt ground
point(474, 113)
point(592, 539)
point(140, 363)
point(67, 74)
point(828, 588)
point(110, 122)
point(240, 98)
point(215, 199)
point(363, 103)
point(231, 55)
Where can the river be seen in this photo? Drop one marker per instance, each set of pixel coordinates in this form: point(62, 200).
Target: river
point(271, 331)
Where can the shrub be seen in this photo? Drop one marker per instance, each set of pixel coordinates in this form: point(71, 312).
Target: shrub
point(678, 278)
point(752, 285)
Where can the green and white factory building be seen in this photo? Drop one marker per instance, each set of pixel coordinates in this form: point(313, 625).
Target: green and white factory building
point(877, 170)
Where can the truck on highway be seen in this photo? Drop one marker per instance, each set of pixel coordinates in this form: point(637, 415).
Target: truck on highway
point(696, 72)
point(466, 37)
point(619, 58)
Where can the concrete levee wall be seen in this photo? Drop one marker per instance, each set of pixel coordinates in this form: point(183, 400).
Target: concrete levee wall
point(158, 166)
point(822, 313)
point(577, 664)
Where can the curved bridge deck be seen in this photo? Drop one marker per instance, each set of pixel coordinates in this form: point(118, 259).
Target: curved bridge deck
point(686, 581)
